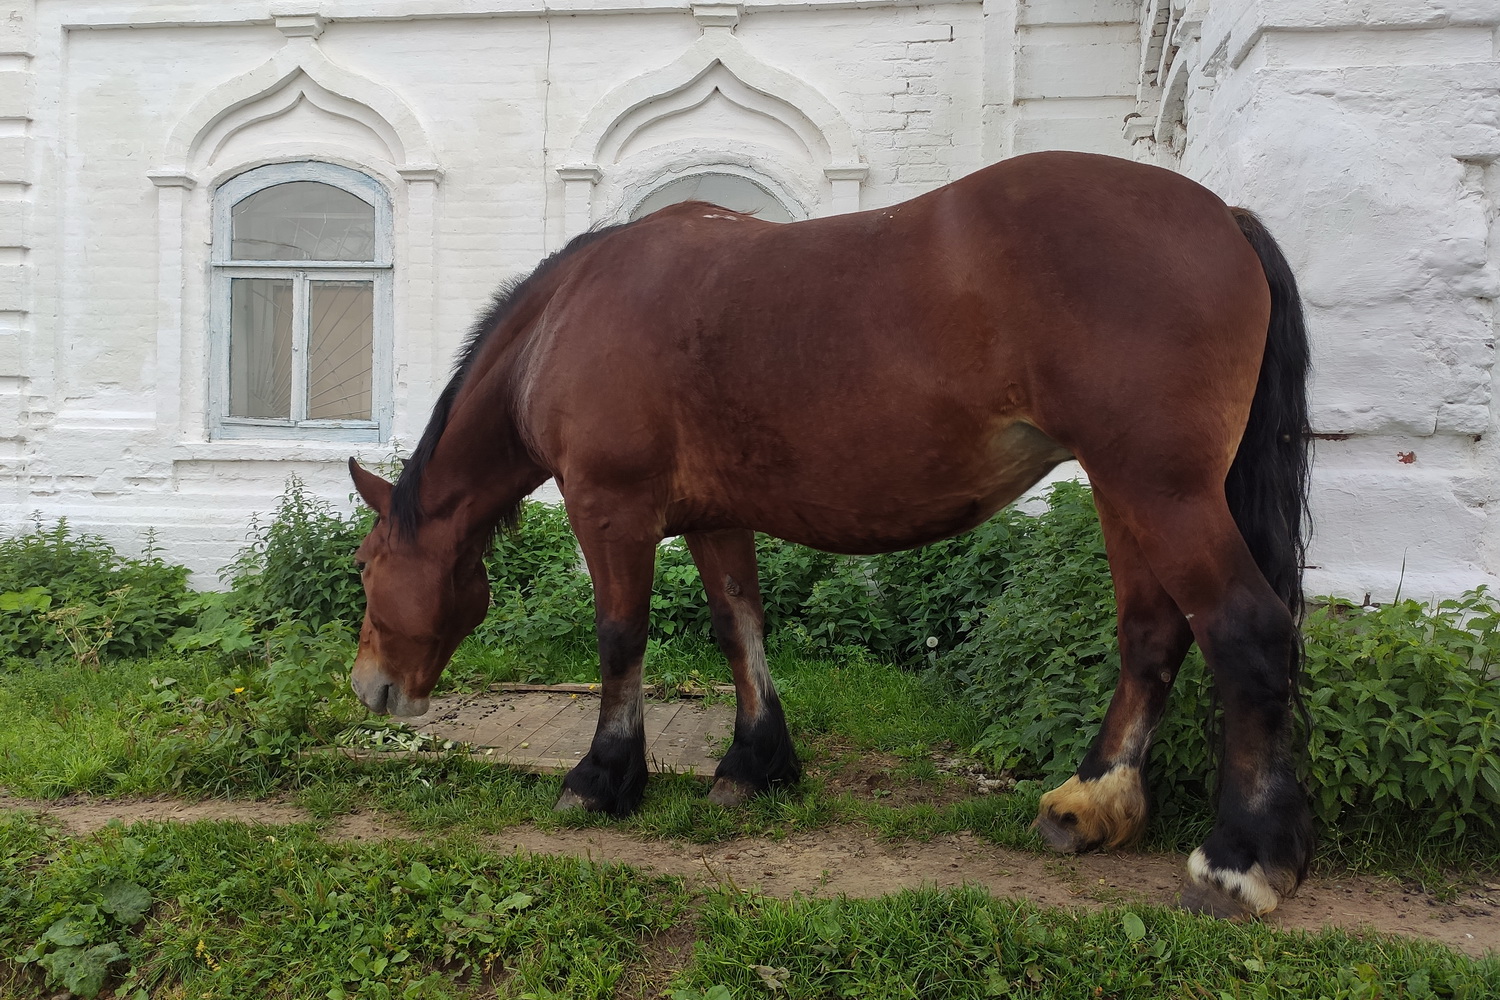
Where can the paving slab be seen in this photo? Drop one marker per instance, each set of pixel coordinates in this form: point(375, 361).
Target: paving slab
point(546, 729)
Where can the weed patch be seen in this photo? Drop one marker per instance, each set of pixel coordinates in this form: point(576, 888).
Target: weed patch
point(68, 595)
point(224, 910)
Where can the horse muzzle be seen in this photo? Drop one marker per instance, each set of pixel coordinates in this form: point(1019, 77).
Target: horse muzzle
point(382, 695)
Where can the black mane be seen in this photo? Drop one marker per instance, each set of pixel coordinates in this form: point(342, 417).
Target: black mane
point(406, 507)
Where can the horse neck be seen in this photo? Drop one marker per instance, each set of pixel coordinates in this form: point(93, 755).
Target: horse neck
point(481, 470)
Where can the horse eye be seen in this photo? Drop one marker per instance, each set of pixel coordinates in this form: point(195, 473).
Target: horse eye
point(359, 564)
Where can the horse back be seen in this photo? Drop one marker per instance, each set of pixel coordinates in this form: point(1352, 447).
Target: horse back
point(836, 369)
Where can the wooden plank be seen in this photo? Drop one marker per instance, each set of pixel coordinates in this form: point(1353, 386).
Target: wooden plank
point(688, 742)
point(518, 720)
point(557, 727)
point(568, 736)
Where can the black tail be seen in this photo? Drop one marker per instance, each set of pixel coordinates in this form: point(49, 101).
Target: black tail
point(1268, 482)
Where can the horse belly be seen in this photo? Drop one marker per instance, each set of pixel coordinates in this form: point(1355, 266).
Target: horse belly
point(900, 498)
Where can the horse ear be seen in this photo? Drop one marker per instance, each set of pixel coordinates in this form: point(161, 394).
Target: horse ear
point(375, 491)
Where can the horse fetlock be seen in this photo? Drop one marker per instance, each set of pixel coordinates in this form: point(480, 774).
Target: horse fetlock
point(611, 783)
point(1083, 814)
point(1234, 894)
point(762, 754)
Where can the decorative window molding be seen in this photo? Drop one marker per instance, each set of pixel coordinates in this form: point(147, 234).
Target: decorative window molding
point(734, 189)
point(642, 134)
point(301, 313)
point(296, 107)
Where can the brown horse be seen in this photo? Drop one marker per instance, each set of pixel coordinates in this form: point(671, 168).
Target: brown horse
point(878, 381)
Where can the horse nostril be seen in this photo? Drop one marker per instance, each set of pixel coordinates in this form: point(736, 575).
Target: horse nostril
point(1068, 819)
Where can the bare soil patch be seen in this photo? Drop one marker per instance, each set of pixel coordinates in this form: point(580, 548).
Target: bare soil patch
point(662, 957)
point(877, 777)
point(849, 861)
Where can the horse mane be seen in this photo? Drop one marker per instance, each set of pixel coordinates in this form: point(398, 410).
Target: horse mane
point(406, 506)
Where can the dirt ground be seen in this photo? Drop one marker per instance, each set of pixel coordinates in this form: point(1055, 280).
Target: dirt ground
point(849, 862)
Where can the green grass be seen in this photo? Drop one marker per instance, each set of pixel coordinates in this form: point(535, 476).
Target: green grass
point(229, 910)
point(933, 945)
point(66, 729)
point(241, 911)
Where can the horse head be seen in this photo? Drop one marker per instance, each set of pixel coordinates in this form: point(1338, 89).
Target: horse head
point(424, 592)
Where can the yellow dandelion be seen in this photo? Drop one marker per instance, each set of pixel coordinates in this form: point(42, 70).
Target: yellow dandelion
point(239, 690)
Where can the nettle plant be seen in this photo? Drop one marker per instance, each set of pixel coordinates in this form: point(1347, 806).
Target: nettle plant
point(1406, 706)
point(299, 564)
point(64, 594)
point(1403, 700)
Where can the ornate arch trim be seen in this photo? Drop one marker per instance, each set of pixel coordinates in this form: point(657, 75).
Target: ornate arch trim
point(677, 85)
point(299, 71)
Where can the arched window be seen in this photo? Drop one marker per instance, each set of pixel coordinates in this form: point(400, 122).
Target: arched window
point(302, 304)
point(731, 191)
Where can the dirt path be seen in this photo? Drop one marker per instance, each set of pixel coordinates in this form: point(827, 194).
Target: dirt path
point(847, 861)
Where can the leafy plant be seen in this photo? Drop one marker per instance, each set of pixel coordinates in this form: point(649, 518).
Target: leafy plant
point(68, 594)
point(1404, 707)
point(89, 925)
point(282, 691)
point(1406, 710)
point(299, 565)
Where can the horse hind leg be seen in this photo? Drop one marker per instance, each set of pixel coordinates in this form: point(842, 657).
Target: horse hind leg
point(1105, 803)
point(761, 754)
point(1261, 843)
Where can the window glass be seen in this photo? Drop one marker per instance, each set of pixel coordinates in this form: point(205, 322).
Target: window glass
point(303, 220)
point(260, 359)
point(731, 191)
point(341, 333)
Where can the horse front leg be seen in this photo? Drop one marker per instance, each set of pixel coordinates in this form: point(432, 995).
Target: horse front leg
point(762, 753)
point(1105, 803)
point(611, 777)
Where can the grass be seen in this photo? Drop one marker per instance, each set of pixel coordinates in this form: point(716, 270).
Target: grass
point(242, 910)
point(70, 729)
point(230, 910)
point(964, 943)
point(237, 910)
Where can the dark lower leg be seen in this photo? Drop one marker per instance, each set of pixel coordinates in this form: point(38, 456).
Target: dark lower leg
point(612, 775)
point(1262, 839)
point(1105, 803)
point(761, 753)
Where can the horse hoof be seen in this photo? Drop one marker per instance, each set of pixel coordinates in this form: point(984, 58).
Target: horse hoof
point(1059, 835)
point(729, 793)
point(1211, 901)
point(570, 801)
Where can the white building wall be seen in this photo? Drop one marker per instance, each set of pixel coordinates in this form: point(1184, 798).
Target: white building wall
point(1366, 135)
point(1364, 132)
point(122, 121)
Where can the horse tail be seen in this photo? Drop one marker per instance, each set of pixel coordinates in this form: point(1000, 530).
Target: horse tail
point(1267, 486)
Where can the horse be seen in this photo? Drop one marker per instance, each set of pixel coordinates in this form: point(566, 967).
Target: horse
point(877, 381)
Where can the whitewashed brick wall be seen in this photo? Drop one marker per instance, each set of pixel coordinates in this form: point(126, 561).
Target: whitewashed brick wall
point(1365, 131)
point(1366, 134)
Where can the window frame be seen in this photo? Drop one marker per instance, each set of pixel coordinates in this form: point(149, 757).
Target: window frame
point(224, 269)
point(790, 207)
